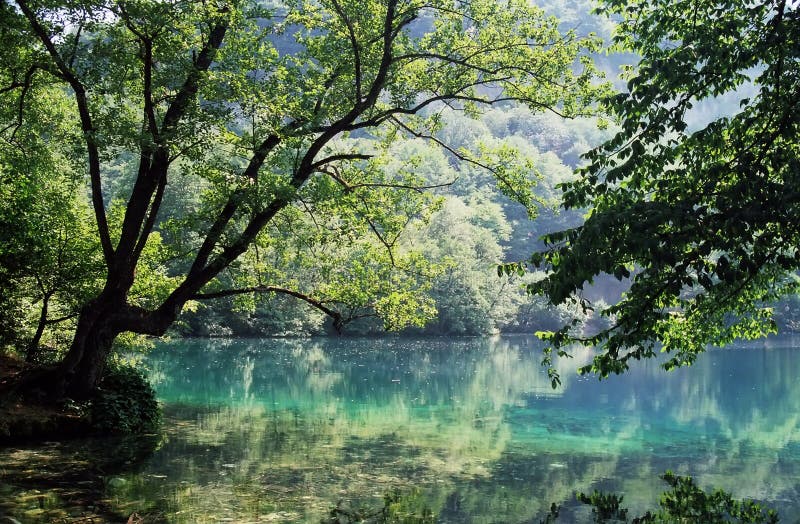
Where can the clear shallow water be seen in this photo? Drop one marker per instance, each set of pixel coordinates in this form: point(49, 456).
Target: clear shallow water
point(281, 430)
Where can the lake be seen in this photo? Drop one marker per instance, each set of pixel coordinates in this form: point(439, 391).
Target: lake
point(283, 430)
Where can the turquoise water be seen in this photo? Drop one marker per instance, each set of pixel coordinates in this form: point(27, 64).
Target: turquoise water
point(282, 430)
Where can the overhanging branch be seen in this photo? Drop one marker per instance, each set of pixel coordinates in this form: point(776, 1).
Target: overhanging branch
point(338, 321)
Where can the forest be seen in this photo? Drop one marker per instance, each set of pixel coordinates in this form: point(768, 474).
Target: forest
point(619, 177)
point(432, 252)
point(403, 199)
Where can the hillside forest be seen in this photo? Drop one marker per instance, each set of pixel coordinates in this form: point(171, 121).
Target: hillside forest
point(460, 191)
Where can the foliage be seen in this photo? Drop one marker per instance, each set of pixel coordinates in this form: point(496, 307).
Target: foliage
point(463, 228)
point(701, 222)
point(684, 502)
point(278, 315)
point(277, 118)
point(124, 402)
point(48, 257)
point(605, 506)
point(469, 298)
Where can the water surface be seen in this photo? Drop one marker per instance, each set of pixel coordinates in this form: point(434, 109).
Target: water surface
point(282, 430)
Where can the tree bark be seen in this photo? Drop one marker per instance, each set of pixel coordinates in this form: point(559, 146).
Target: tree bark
point(100, 322)
point(33, 347)
point(83, 366)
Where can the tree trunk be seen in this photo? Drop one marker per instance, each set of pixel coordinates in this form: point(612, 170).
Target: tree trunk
point(99, 323)
point(83, 366)
point(33, 346)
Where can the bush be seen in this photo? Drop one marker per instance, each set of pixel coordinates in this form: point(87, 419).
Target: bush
point(685, 502)
point(125, 402)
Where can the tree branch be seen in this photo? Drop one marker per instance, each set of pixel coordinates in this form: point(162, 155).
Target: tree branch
point(462, 157)
point(350, 187)
point(87, 127)
point(142, 206)
point(334, 158)
point(151, 217)
point(25, 85)
point(201, 64)
point(232, 205)
point(202, 272)
point(338, 322)
point(354, 45)
point(62, 319)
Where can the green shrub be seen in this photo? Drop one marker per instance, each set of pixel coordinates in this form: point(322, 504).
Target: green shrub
point(685, 502)
point(125, 402)
point(605, 506)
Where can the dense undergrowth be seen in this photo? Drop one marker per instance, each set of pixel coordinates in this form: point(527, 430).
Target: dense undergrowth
point(124, 403)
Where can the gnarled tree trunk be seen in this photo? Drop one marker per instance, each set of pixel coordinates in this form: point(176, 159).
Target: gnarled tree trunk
point(104, 318)
point(100, 322)
point(81, 369)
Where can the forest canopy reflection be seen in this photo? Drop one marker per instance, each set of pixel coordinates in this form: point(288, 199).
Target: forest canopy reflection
point(284, 429)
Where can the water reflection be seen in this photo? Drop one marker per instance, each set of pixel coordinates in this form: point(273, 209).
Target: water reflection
point(282, 430)
point(345, 419)
point(53, 482)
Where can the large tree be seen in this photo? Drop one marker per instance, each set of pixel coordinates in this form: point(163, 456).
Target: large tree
point(48, 257)
point(701, 220)
point(254, 103)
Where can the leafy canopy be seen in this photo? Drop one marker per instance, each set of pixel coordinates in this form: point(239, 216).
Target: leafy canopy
point(702, 222)
point(261, 109)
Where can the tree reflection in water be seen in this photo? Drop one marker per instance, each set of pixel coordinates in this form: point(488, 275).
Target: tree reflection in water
point(283, 430)
point(70, 481)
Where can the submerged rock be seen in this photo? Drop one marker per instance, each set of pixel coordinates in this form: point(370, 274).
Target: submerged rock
point(117, 482)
